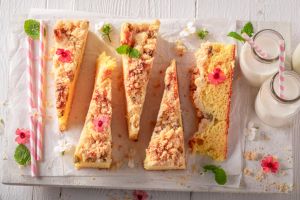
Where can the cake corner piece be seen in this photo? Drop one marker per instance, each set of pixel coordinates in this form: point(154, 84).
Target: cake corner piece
point(136, 71)
point(94, 149)
point(166, 147)
point(214, 73)
point(70, 39)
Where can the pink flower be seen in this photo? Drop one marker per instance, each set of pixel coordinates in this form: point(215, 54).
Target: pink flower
point(269, 164)
point(64, 55)
point(217, 76)
point(23, 136)
point(101, 122)
point(140, 195)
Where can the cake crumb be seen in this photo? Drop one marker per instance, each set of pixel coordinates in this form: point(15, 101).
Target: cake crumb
point(260, 176)
point(250, 155)
point(283, 187)
point(180, 48)
point(248, 172)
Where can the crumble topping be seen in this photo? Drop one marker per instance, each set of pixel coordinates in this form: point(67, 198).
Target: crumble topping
point(96, 144)
point(71, 36)
point(143, 38)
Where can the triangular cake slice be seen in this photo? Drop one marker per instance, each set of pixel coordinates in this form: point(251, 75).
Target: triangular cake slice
point(70, 39)
point(95, 143)
point(211, 94)
point(166, 148)
point(136, 71)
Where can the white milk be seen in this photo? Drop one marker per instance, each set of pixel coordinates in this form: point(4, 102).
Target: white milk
point(254, 69)
point(273, 112)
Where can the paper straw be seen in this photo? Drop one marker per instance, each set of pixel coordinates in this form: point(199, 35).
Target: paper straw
point(250, 41)
point(31, 107)
point(40, 92)
point(281, 67)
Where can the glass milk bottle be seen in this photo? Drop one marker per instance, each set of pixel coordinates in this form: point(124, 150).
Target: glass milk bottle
point(274, 110)
point(255, 68)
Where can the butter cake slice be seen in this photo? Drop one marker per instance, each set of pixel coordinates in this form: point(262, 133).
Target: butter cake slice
point(136, 71)
point(166, 147)
point(70, 39)
point(211, 94)
point(95, 143)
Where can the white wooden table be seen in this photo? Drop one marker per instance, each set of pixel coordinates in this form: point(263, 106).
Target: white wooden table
point(258, 10)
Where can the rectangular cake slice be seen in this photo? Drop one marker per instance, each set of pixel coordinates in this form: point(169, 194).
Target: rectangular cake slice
point(70, 39)
point(166, 147)
point(95, 143)
point(211, 93)
point(136, 71)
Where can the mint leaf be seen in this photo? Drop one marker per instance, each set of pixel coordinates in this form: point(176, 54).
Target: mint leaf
point(22, 155)
point(236, 36)
point(202, 33)
point(105, 30)
point(131, 52)
point(220, 174)
point(123, 49)
point(32, 28)
point(134, 53)
point(248, 29)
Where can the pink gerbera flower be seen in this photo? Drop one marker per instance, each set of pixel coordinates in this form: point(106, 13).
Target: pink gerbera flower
point(64, 55)
point(101, 122)
point(217, 76)
point(140, 195)
point(23, 136)
point(269, 164)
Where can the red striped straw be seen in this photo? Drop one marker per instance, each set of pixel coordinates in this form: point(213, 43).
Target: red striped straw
point(41, 91)
point(281, 67)
point(31, 107)
point(250, 41)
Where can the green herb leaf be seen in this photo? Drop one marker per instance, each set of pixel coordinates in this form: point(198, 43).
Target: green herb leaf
point(134, 53)
point(220, 174)
point(123, 49)
point(202, 33)
point(22, 155)
point(236, 36)
point(106, 30)
point(248, 29)
point(32, 28)
point(131, 52)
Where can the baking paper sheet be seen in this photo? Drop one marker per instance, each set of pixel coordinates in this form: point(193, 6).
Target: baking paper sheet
point(124, 150)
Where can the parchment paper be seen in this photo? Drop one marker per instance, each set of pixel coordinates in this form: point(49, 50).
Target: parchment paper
point(123, 149)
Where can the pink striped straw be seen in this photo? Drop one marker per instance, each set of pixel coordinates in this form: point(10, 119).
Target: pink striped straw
point(31, 107)
point(40, 92)
point(281, 67)
point(250, 41)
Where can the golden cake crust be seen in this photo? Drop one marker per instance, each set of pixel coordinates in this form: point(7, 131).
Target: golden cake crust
point(95, 144)
point(70, 39)
point(136, 71)
point(166, 147)
point(212, 100)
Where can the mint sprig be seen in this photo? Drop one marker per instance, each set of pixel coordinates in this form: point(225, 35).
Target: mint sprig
point(22, 155)
point(220, 174)
point(247, 28)
point(32, 28)
point(127, 50)
point(106, 30)
point(202, 33)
